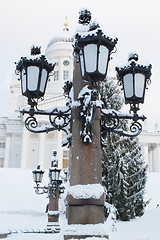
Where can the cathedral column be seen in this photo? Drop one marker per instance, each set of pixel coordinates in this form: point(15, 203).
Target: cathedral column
point(158, 157)
point(59, 149)
point(150, 159)
point(24, 154)
point(154, 158)
point(7, 150)
point(145, 151)
point(42, 149)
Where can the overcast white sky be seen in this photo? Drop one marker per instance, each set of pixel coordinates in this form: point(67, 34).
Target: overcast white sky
point(135, 23)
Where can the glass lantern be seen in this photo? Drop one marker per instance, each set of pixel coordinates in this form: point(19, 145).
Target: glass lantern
point(38, 175)
point(54, 174)
point(134, 79)
point(94, 54)
point(34, 73)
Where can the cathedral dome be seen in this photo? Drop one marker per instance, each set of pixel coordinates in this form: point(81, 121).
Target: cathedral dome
point(64, 36)
point(60, 39)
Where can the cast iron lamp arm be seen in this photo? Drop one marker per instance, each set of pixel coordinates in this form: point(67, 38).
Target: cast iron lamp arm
point(41, 190)
point(110, 122)
point(59, 119)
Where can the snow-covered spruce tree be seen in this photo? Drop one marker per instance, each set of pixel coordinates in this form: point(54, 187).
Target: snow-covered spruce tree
point(124, 173)
point(136, 178)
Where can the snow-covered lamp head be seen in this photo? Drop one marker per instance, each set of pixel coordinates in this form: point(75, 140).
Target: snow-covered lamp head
point(134, 78)
point(38, 175)
point(93, 49)
point(34, 73)
point(54, 174)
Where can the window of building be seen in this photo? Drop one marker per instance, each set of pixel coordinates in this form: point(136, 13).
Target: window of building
point(56, 75)
point(56, 63)
point(2, 145)
point(66, 154)
point(65, 74)
point(65, 159)
point(1, 162)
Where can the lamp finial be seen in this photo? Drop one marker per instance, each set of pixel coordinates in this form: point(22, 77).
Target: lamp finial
point(35, 50)
point(133, 56)
point(84, 16)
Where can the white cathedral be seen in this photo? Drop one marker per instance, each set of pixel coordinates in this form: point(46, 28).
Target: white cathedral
point(20, 148)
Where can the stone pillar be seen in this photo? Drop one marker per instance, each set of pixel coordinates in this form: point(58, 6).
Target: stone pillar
point(53, 211)
point(24, 154)
point(7, 150)
point(59, 149)
point(154, 158)
point(85, 174)
point(150, 158)
point(42, 149)
point(84, 165)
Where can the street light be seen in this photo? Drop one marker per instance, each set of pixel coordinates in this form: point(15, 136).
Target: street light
point(93, 49)
point(38, 175)
point(53, 191)
point(34, 73)
point(134, 79)
point(86, 115)
point(54, 172)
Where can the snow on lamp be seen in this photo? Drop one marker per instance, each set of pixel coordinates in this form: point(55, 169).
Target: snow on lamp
point(134, 78)
point(94, 54)
point(93, 49)
point(38, 175)
point(34, 73)
point(54, 173)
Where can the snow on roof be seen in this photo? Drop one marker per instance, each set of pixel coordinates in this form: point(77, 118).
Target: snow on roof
point(63, 36)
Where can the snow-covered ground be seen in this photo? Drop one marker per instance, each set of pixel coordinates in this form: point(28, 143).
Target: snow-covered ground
point(21, 209)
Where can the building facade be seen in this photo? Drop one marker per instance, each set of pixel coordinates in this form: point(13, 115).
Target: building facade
point(20, 148)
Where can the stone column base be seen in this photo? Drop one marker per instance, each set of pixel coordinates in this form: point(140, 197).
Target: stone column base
point(53, 218)
point(3, 235)
point(87, 214)
point(53, 227)
point(67, 237)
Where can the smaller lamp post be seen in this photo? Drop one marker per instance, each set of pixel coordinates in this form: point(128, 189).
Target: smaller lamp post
point(53, 189)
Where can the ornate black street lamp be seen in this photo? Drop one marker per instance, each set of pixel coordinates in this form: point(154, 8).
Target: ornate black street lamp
point(38, 175)
point(134, 79)
point(54, 181)
point(92, 49)
point(34, 73)
point(94, 54)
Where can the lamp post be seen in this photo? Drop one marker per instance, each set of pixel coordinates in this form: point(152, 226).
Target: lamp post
point(53, 189)
point(85, 119)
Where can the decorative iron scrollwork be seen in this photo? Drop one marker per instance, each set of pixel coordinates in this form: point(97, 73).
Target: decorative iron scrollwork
point(41, 190)
point(59, 120)
point(110, 122)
